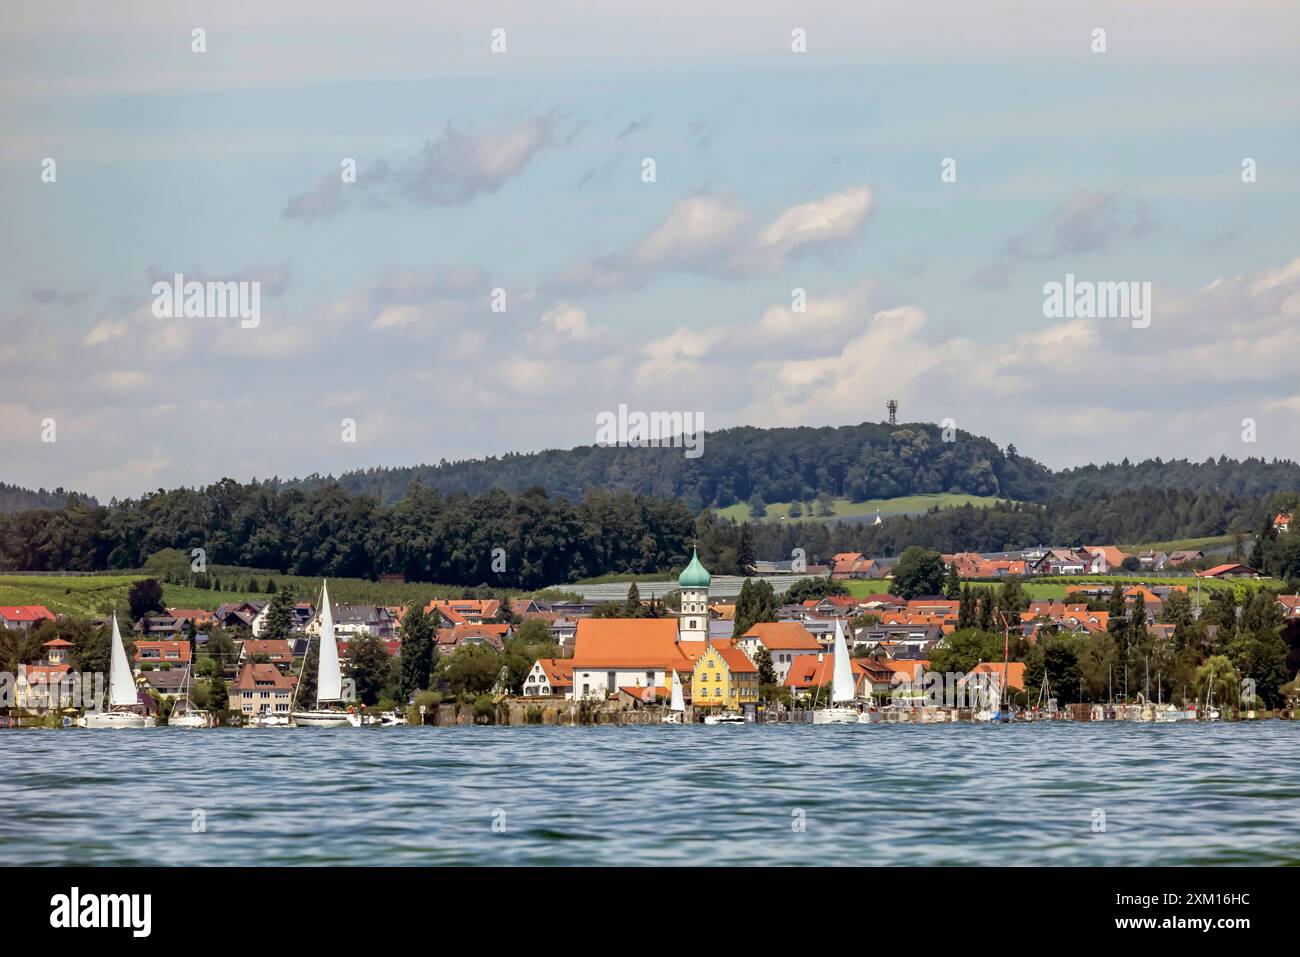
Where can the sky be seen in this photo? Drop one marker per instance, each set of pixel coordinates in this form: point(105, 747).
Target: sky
point(523, 171)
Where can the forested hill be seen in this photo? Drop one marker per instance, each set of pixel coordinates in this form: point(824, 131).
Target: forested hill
point(16, 499)
point(859, 462)
point(872, 460)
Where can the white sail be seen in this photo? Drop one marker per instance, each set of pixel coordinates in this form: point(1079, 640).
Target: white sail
point(842, 684)
point(679, 702)
point(121, 685)
point(329, 680)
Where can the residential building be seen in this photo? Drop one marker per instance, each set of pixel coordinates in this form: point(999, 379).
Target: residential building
point(276, 651)
point(724, 677)
point(450, 639)
point(472, 611)
point(784, 640)
point(853, 565)
point(261, 688)
point(352, 621)
point(1230, 570)
point(175, 653)
point(550, 678)
point(167, 683)
point(808, 673)
point(22, 617)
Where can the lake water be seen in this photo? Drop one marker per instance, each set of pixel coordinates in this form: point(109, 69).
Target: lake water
point(856, 794)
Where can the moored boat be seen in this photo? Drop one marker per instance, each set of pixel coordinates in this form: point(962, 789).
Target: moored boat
point(123, 697)
point(842, 689)
point(328, 712)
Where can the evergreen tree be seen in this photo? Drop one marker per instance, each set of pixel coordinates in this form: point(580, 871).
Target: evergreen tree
point(967, 615)
point(279, 616)
point(218, 693)
point(745, 550)
point(633, 608)
point(952, 583)
point(369, 667)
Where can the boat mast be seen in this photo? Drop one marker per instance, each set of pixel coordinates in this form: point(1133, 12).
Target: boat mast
point(293, 702)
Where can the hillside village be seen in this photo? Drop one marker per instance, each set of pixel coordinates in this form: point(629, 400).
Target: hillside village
point(755, 655)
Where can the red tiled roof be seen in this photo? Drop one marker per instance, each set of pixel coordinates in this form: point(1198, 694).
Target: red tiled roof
point(558, 671)
point(251, 677)
point(31, 613)
point(784, 635)
point(162, 647)
point(628, 643)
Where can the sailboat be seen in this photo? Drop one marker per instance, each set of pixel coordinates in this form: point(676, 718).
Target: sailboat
point(122, 695)
point(191, 717)
point(1211, 712)
point(677, 708)
point(329, 679)
point(842, 690)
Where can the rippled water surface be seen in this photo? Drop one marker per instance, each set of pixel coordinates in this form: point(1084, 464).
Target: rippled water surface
point(957, 794)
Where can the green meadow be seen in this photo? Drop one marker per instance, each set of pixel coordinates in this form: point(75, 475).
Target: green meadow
point(844, 508)
point(83, 596)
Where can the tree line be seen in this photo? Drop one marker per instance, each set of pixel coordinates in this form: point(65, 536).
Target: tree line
point(528, 540)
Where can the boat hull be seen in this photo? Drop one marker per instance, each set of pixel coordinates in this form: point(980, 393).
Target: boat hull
point(116, 719)
point(326, 719)
point(191, 720)
point(673, 717)
point(835, 716)
point(724, 719)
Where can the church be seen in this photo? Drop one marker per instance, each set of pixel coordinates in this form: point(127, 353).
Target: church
point(639, 653)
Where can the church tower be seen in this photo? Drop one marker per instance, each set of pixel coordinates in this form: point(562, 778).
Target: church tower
point(693, 618)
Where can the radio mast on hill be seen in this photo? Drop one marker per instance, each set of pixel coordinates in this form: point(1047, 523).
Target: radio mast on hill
point(892, 406)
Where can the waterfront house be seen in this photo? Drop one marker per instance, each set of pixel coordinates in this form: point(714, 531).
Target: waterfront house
point(549, 678)
point(261, 688)
point(166, 684)
point(810, 672)
point(1014, 671)
point(43, 686)
point(724, 678)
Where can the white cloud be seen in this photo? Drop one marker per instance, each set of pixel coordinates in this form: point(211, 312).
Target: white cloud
point(716, 236)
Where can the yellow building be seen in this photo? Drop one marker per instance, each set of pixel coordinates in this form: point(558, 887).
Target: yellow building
point(723, 678)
